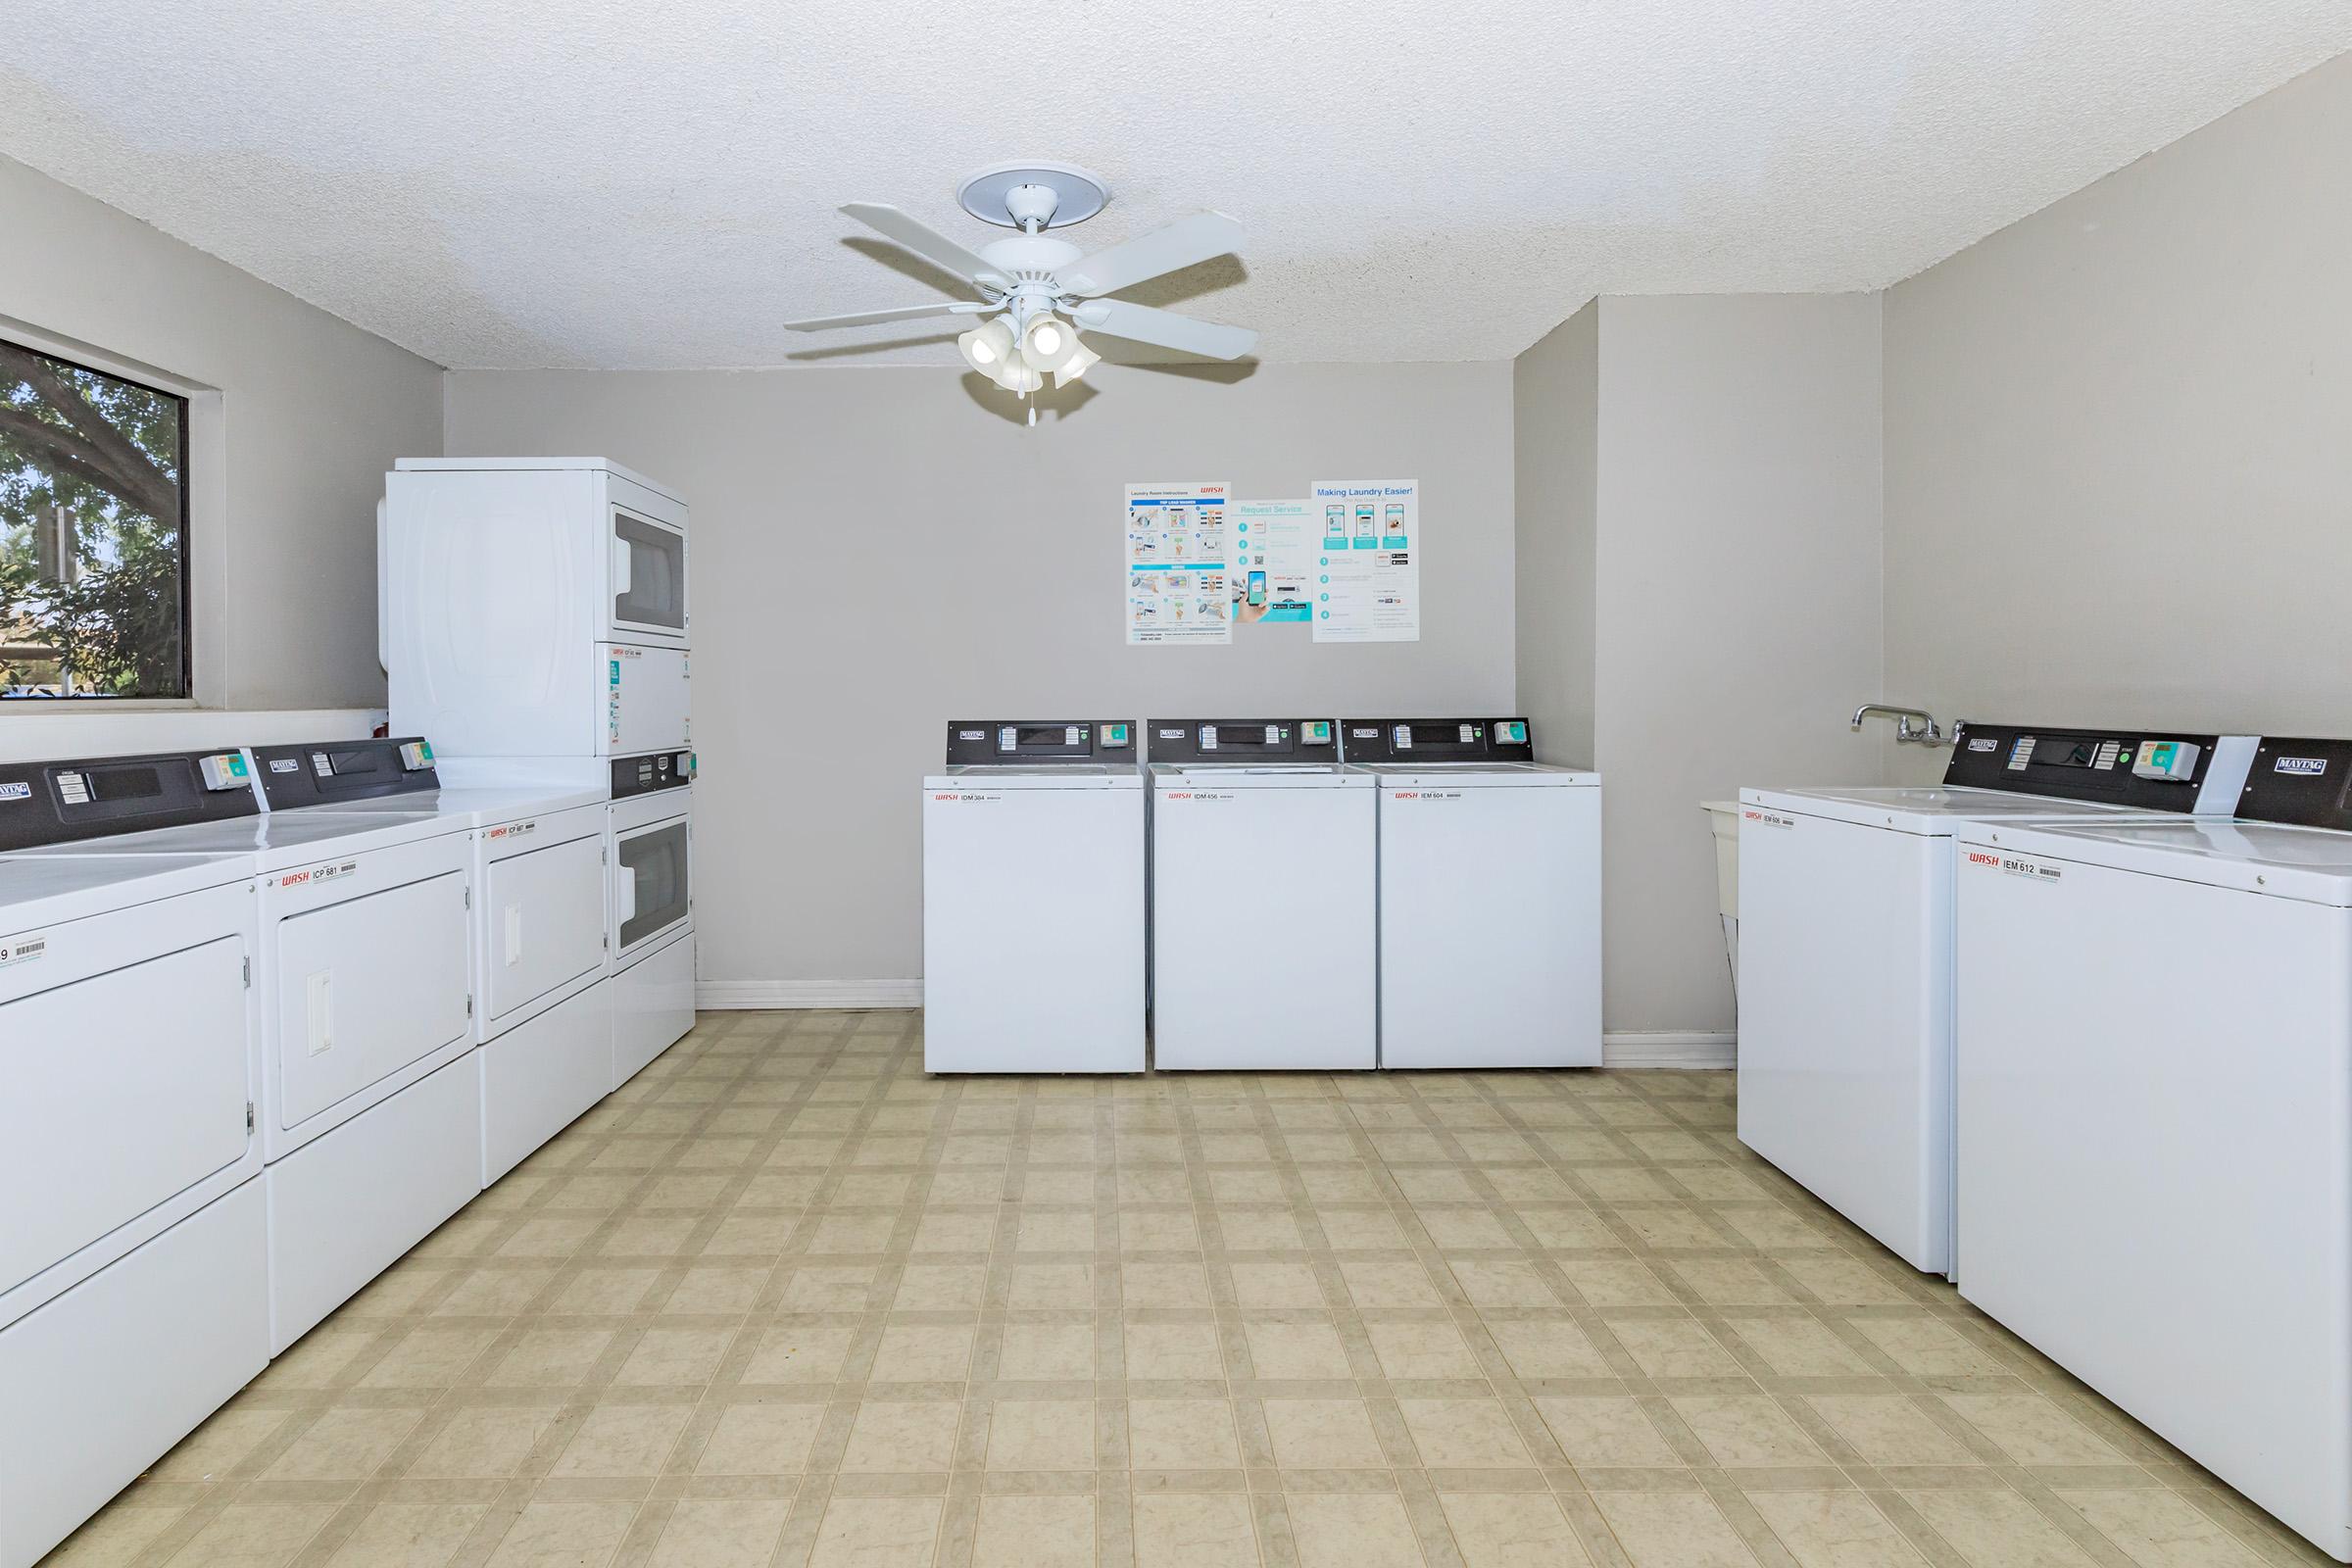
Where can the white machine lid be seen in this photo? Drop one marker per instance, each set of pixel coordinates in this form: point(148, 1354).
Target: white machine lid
point(1934, 811)
point(477, 807)
point(42, 887)
point(2313, 864)
point(280, 839)
point(531, 465)
point(1263, 775)
point(1039, 776)
point(1485, 775)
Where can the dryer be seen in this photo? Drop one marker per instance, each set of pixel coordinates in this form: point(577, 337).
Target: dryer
point(134, 1232)
point(1845, 953)
point(1490, 895)
point(370, 1105)
point(1033, 899)
point(2155, 1093)
point(540, 949)
point(1264, 924)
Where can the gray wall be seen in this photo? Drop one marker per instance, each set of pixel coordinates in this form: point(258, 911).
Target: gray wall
point(2118, 443)
point(874, 556)
point(311, 411)
point(1739, 621)
point(1555, 413)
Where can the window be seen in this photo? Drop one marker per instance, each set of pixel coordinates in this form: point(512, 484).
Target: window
point(93, 533)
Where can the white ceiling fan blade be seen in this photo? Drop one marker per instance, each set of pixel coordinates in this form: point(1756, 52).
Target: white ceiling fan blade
point(925, 241)
point(1140, 323)
point(902, 312)
point(1164, 250)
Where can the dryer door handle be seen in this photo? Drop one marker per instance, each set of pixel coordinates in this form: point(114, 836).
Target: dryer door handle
point(620, 567)
point(628, 896)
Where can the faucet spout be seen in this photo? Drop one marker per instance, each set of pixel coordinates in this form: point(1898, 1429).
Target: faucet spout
point(1922, 733)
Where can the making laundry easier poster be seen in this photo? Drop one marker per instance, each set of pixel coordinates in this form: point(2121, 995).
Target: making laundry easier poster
point(1368, 567)
point(1178, 567)
point(1275, 546)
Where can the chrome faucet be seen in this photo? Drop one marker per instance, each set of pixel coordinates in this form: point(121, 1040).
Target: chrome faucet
point(1925, 733)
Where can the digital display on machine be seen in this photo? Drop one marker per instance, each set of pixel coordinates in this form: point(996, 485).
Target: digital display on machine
point(1044, 735)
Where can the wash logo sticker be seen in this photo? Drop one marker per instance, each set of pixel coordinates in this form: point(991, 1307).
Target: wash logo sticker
point(334, 871)
point(1768, 819)
point(2015, 865)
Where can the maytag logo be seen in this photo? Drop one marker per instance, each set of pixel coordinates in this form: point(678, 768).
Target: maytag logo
point(971, 734)
point(2308, 767)
point(1987, 743)
point(15, 790)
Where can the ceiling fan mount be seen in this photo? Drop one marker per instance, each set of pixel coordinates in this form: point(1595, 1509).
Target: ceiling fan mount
point(1031, 191)
point(1040, 293)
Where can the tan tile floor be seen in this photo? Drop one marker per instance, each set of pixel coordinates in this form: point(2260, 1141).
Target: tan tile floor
point(785, 1300)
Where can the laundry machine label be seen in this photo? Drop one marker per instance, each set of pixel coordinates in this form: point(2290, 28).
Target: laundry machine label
point(1768, 819)
point(966, 797)
point(2015, 865)
point(1425, 795)
point(24, 949)
point(2310, 766)
point(334, 871)
point(511, 830)
point(16, 790)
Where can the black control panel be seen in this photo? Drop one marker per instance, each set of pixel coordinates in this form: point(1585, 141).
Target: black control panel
point(1440, 740)
point(655, 770)
point(2305, 782)
point(1245, 740)
point(91, 798)
point(325, 772)
point(977, 742)
point(2147, 771)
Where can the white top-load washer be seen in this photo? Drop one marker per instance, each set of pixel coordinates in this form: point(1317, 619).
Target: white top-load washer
point(1264, 920)
point(1489, 896)
point(540, 949)
point(2155, 1092)
point(370, 1111)
point(1033, 899)
point(134, 1269)
point(1845, 953)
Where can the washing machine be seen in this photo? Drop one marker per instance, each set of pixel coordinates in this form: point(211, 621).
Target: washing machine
point(1490, 895)
point(1845, 953)
point(1264, 914)
point(1033, 899)
point(133, 1234)
point(542, 1013)
point(370, 1108)
point(2155, 1092)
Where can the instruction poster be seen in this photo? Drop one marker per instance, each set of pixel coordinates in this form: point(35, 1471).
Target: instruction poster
point(1368, 569)
point(1275, 547)
point(1178, 567)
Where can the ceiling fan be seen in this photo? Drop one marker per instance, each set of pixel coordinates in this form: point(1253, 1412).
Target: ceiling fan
point(1038, 294)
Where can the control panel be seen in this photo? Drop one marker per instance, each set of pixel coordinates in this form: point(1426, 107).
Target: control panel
point(1440, 740)
point(323, 772)
point(2304, 782)
point(1245, 740)
point(977, 742)
point(654, 770)
point(2174, 771)
point(89, 798)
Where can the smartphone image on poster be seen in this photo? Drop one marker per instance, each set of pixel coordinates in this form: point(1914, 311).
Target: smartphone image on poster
point(1363, 522)
point(1395, 520)
point(1258, 588)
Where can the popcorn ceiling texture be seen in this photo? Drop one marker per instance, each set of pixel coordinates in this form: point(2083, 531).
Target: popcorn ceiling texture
point(607, 184)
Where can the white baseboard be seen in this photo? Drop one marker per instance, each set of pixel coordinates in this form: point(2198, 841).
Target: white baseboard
point(755, 995)
point(1671, 1048)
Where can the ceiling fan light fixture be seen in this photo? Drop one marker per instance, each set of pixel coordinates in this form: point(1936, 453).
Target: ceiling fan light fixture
point(1018, 378)
point(1050, 344)
point(987, 347)
point(1077, 366)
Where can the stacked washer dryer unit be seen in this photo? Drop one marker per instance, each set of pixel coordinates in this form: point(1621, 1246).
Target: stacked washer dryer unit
point(1264, 918)
point(2155, 1088)
point(1033, 899)
point(370, 1106)
point(134, 1230)
point(1845, 953)
point(536, 627)
point(538, 935)
point(1489, 896)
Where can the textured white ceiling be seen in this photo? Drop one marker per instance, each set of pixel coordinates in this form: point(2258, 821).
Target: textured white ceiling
point(651, 182)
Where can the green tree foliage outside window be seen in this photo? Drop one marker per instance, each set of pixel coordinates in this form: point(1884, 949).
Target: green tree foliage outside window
point(93, 536)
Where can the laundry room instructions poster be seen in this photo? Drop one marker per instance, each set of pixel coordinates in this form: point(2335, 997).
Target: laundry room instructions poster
point(1274, 550)
point(1178, 570)
point(1368, 570)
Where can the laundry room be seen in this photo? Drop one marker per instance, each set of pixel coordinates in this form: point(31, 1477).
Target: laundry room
point(1525, 786)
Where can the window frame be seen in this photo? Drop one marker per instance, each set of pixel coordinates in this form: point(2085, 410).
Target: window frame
point(203, 511)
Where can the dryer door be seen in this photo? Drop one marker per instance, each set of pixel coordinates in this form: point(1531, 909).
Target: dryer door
point(546, 921)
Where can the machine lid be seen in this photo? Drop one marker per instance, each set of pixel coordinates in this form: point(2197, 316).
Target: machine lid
point(1043, 742)
point(316, 773)
point(1440, 740)
point(2311, 865)
point(1932, 811)
point(531, 465)
point(277, 838)
point(84, 799)
point(1311, 742)
point(1170, 777)
point(44, 887)
point(1481, 775)
point(1006, 776)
